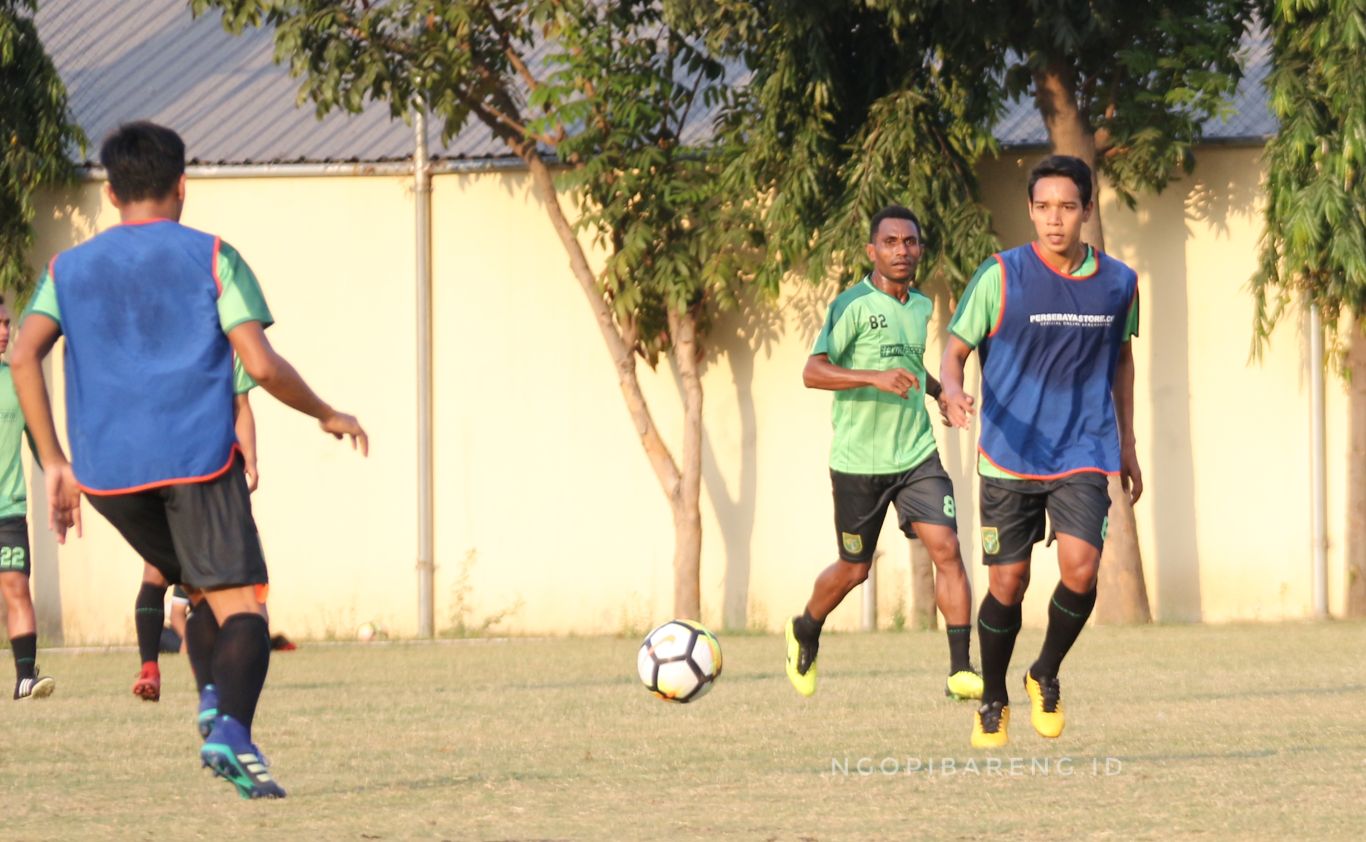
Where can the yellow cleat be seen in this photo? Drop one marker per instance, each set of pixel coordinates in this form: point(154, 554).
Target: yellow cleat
point(989, 726)
point(964, 684)
point(799, 656)
point(1045, 706)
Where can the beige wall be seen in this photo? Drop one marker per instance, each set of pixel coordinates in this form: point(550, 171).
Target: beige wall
point(547, 513)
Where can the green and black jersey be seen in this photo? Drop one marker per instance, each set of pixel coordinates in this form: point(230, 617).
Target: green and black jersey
point(13, 489)
point(867, 329)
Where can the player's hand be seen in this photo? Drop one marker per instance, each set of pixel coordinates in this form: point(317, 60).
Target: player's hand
point(956, 407)
point(1130, 477)
point(896, 381)
point(64, 500)
point(253, 477)
point(340, 424)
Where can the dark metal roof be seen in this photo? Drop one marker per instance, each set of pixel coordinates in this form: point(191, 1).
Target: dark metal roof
point(1249, 118)
point(233, 105)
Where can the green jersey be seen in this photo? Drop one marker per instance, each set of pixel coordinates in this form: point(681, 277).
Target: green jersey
point(13, 489)
point(980, 309)
point(241, 381)
point(867, 329)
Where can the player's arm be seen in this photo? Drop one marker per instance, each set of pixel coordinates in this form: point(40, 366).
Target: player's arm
point(274, 373)
point(40, 332)
point(1130, 476)
point(820, 373)
point(246, 437)
point(978, 311)
point(955, 404)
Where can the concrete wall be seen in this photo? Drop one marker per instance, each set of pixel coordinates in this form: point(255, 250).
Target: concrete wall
point(548, 517)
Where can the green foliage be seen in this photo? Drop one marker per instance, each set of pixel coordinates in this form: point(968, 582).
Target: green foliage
point(1315, 237)
point(620, 90)
point(1145, 75)
point(605, 87)
point(36, 135)
point(851, 106)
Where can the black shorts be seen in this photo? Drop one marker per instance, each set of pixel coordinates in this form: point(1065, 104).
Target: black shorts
point(201, 534)
point(14, 545)
point(924, 494)
point(1013, 513)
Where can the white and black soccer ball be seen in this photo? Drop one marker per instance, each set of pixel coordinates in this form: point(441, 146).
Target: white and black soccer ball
point(679, 661)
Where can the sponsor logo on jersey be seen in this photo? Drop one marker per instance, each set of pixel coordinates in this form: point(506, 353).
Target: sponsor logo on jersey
point(902, 350)
point(1072, 319)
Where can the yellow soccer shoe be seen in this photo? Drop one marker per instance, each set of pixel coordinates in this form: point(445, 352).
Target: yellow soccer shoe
point(964, 684)
point(989, 725)
point(1045, 705)
point(801, 662)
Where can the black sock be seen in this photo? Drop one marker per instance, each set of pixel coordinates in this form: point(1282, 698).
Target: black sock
point(149, 616)
point(1067, 615)
point(240, 661)
point(25, 649)
point(997, 627)
point(807, 628)
point(201, 634)
point(960, 645)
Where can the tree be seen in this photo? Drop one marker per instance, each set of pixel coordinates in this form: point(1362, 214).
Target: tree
point(609, 99)
point(1125, 87)
point(850, 106)
point(1314, 244)
point(36, 136)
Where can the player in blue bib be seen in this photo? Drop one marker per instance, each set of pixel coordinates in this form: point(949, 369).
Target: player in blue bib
point(153, 313)
point(1051, 323)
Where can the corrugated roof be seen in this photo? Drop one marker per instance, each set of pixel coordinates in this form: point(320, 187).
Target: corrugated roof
point(1249, 118)
point(234, 105)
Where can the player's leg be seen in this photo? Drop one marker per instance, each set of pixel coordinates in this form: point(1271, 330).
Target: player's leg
point(927, 511)
point(1012, 522)
point(860, 506)
point(149, 615)
point(201, 636)
point(1078, 509)
point(180, 613)
point(141, 519)
point(221, 555)
point(21, 622)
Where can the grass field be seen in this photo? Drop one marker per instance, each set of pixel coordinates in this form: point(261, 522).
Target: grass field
point(1223, 732)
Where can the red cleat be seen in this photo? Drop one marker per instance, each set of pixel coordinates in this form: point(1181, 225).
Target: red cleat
point(148, 685)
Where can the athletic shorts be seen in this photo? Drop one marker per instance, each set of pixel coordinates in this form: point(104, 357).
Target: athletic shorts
point(924, 494)
point(14, 545)
point(1013, 513)
point(179, 597)
point(200, 534)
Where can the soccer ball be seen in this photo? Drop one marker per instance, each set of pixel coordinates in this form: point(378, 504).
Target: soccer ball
point(679, 661)
point(370, 631)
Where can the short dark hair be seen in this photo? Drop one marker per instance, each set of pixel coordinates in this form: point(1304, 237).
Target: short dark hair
point(1066, 166)
point(892, 212)
point(143, 160)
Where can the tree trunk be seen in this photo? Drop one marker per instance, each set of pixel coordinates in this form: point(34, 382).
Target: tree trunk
point(924, 611)
point(681, 489)
point(1122, 595)
point(1356, 473)
point(687, 503)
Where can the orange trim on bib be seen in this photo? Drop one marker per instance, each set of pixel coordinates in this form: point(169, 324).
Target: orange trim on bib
point(1064, 474)
point(163, 483)
point(1001, 313)
point(1096, 251)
